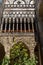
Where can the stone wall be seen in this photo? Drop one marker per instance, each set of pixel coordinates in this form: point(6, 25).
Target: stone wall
point(9, 41)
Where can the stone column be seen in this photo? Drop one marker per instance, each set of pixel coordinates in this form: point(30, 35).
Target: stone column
point(13, 23)
point(5, 24)
point(25, 24)
point(2, 24)
point(32, 24)
point(9, 23)
point(17, 23)
point(6, 44)
point(21, 24)
point(28, 25)
point(31, 52)
point(32, 45)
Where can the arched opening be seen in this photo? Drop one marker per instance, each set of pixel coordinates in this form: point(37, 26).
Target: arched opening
point(3, 28)
point(23, 24)
point(36, 51)
point(11, 24)
point(2, 53)
point(19, 53)
point(19, 25)
point(15, 25)
point(7, 26)
point(26, 25)
point(30, 25)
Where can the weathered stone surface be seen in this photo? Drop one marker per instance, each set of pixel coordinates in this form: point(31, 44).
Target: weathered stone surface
point(41, 9)
point(9, 41)
point(28, 12)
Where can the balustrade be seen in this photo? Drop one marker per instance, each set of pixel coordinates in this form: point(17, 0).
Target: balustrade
point(17, 24)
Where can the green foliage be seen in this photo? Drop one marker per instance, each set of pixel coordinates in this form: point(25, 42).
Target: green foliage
point(18, 50)
point(30, 61)
point(6, 61)
point(21, 56)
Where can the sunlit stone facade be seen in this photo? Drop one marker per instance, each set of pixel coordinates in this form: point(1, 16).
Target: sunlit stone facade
point(17, 24)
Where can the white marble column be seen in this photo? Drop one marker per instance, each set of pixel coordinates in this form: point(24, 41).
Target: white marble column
point(28, 25)
point(13, 23)
point(25, 24)
point(17, 20)
point(32, 24)
point(2, 24)
point(6, 24)
point(9, 23)
point(21, 24)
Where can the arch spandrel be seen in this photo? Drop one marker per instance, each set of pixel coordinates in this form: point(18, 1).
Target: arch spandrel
point(20, 40)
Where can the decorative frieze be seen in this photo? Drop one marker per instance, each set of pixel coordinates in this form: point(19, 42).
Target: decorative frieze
point(19, 2)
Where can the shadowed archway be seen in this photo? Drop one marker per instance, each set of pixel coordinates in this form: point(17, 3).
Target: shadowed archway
point(2, 53)
point(18, 52)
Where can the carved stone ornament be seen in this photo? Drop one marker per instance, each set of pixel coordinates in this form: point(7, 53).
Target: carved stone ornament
point(19, 1)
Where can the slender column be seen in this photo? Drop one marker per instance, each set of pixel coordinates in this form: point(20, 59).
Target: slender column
point(28, 25)
point(9, 23)
point(2, 24)
point(5, 24)
point(25, 24)
point(21, 24)
point(32, 24)
point(17, 23)
point(13, 24)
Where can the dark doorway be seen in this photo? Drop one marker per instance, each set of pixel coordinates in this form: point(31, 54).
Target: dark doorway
point(2, 53)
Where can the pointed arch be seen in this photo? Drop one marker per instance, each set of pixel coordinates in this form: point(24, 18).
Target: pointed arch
point(19, 47)
point(21, 40)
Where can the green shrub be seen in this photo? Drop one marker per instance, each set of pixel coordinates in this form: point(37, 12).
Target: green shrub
point(6, 61)
point(21, 56)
